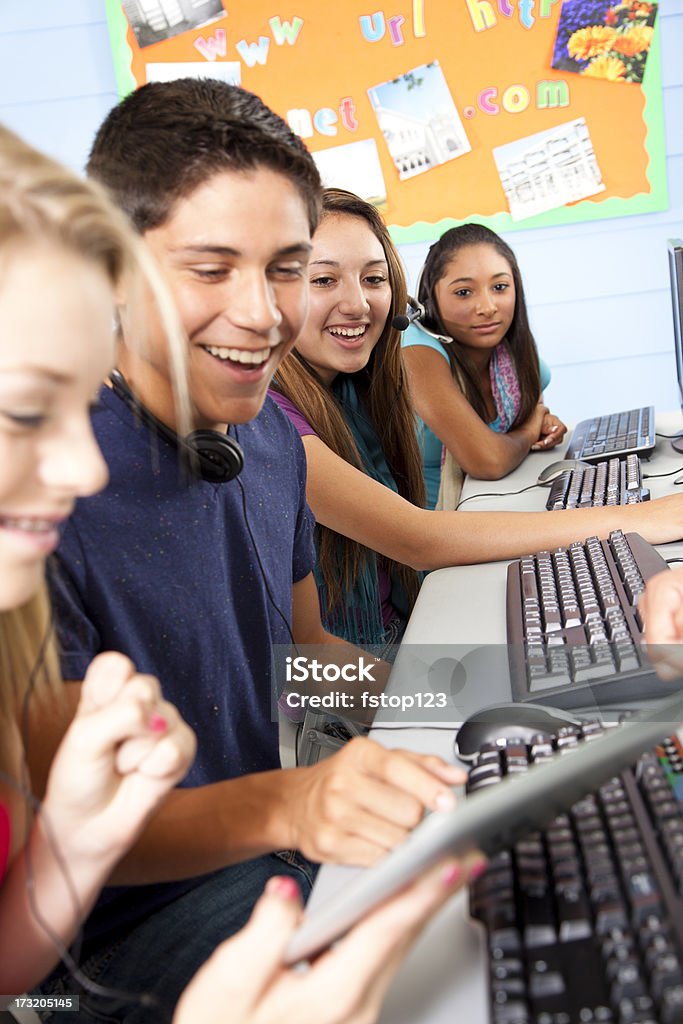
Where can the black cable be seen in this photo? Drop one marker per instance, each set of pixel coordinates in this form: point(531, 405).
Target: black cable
point(670, 560)
point(495, 494)
point(667, 437)
point(657, 476)
point(70, 961)
point(266, 583)
point(264, 576)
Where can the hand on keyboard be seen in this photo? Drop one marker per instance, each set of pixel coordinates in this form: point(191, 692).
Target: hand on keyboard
point(661, 608)
point(573, 625)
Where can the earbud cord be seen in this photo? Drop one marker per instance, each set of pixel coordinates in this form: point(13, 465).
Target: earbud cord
point(264, 577)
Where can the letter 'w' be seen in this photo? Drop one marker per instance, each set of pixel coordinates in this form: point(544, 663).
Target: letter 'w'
point(214, 46)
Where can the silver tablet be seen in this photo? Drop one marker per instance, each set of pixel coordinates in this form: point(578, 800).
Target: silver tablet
point(490, 820)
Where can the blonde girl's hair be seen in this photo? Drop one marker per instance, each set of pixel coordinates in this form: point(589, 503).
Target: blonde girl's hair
point(384, 388)
point(44, 204)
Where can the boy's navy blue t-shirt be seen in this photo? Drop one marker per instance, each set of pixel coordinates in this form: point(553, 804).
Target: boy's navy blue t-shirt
point(163, 568)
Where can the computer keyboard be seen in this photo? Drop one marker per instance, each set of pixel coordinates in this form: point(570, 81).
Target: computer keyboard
point(616, 481)
point(584, 921)
point(618, 433)
point(574, 631)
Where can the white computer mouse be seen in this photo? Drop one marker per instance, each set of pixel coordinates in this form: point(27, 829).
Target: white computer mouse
point(551, 472)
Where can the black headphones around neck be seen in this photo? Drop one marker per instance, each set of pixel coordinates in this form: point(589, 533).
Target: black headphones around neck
point(207, 454)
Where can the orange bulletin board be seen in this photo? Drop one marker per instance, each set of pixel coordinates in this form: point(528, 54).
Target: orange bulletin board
point(437, 110)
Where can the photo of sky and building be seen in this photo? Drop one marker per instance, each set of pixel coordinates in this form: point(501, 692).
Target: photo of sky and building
point(419, 120)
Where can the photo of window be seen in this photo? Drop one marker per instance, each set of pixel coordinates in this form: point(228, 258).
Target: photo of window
point(155, 20)
point(549, 169)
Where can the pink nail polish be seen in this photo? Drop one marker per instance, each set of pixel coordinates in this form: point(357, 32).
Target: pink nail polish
point(477, 869)
point(283, 886)
point(452, 875)
point(158, 723)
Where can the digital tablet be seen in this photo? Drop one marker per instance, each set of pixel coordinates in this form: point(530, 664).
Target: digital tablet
point(490, 820)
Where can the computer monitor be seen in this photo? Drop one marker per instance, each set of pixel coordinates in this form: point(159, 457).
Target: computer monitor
point(675, 246)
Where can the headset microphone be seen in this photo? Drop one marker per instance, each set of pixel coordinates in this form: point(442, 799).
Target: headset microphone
point(208, 454)
point(414, 312)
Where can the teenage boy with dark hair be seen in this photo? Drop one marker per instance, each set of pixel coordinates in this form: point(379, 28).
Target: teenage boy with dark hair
point(195, 580)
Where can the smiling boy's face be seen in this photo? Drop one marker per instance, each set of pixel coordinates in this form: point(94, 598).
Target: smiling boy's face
point(234, 253)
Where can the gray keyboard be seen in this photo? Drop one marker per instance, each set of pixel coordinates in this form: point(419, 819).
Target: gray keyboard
point(616, 481)
point(618, 433)
point(574, 631)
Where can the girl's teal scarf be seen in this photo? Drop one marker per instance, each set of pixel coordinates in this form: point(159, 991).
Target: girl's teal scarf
point(359, 617)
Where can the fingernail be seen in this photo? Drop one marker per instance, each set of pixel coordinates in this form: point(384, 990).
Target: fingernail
point(452, 875)
point(158, 723)
point(283, 886)
point(477, 869)
point(445, 801)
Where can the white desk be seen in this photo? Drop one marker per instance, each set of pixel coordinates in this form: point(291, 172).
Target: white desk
point(459, 621)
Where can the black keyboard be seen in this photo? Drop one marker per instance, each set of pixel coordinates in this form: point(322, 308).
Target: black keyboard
point(584, 921)
point(618, 433)
point(574, 631)
point(612, 482)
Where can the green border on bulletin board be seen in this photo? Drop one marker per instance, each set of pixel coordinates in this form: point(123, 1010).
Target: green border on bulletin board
point(584, 211)
point(118, 35)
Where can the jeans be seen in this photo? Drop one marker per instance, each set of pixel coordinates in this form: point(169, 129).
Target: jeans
point(155, 961)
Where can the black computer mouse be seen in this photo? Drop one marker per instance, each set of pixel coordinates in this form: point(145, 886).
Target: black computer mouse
point(511, 721)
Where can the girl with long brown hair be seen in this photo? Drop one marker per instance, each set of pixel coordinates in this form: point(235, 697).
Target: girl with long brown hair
point(363, 413)
point(475, 374)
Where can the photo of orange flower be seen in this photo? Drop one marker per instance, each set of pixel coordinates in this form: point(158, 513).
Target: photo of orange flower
point(590, 42)
point(610, 68)
point(636, 40)
point(611, 43)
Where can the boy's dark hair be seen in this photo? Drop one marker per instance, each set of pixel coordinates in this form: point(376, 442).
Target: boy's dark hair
point(167, 138)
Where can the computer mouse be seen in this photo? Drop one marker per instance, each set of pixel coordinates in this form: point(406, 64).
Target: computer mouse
point(509, 721)
point(551, 472)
